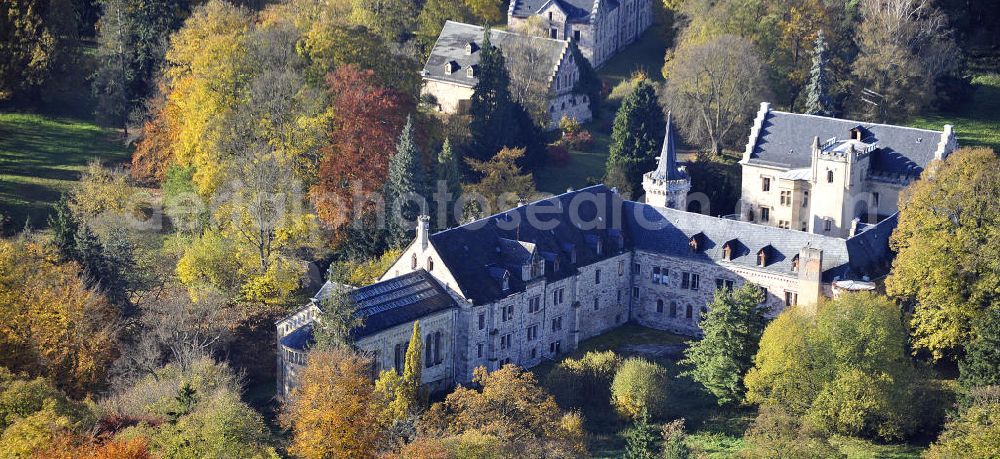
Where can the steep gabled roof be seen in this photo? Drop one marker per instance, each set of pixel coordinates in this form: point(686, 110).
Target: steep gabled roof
point(469, 251)
point(575, 9)
point(451, 46)
point(668, 231)
point(785, 141)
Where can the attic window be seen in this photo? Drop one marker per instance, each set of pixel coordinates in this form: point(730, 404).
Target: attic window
point(471, 71)
point(450, 67)
point(795, 263)
point(695, 242)
point(505, 283)
point(762, 257)
point(471, 47)
point(727, 252)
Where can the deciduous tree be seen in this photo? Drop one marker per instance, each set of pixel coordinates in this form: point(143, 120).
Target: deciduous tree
point(334, 411)
point(640, 388)
point(367, 120)
point(945, 272)
point(712, 89)
point(51, 324)
point(980, 366)
point(502, 184)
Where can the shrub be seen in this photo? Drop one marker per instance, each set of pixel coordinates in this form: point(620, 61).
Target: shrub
point(975, 432)
point(584, 383)
point(578, 140)
point(639, 385)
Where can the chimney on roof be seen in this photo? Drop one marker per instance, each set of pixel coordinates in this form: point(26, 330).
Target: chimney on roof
point(810, 279)
point(423, 231)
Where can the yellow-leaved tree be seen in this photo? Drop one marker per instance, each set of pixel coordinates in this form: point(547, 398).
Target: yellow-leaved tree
point(51, 324)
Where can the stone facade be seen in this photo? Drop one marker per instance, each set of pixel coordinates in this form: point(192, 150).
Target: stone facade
point(599, 28)
point(526, 291)
point(449, 75)
point(830, 176)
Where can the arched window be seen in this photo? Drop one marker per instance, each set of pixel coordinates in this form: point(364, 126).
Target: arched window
point(437, 348)
point(413, 261)
point(659, 306)
point(689, 311)
point(429, 351)
point(430, 264)
point(673, 309)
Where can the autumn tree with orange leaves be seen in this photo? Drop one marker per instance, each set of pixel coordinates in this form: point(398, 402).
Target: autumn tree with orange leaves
point(334, 412)
point(367, 119)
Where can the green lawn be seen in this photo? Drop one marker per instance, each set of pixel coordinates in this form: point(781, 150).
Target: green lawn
point(645, 54)
point(584, 167)
point(40, 157)
point(977, 123)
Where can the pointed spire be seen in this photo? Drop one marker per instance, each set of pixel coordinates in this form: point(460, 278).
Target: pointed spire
point(666, 169)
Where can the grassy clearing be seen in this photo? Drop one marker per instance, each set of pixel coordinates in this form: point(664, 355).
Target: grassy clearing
point(646, 54)
point(40, 157)
point(977, 123)
point(584, 167)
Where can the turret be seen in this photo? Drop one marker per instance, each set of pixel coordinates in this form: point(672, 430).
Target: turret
point(668, 185)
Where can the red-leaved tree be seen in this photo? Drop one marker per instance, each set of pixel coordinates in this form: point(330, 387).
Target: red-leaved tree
point(367, 119)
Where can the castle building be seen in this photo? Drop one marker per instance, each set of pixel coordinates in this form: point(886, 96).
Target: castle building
point(450, 73)
point(831, 176)
point(527, 285)
point(599, 27)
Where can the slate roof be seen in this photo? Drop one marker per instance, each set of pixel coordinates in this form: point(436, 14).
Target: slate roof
point(470, 251)
point(666, 167)
point(384, 305)
point(668, 231)
point(575, 9)
point(454, 38)
point(786, 139)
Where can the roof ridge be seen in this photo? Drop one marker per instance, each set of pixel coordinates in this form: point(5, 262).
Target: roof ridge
point(860, 123)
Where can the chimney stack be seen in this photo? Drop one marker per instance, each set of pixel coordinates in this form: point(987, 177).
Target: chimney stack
point(810, 279)
point(423, 231)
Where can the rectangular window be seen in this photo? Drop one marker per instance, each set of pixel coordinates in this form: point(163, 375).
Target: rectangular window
point(621, 267)
point(534, 304)
point(765, 214)
point(532, 332)
point(786, 198)
point(507, 313)
point(576, 35)
point(555, 347)
point(805, 199)
point(505, 341)
point(875, 200)
point(597, 276)
point(791, 298)
point(597, 304)
point(557, 323)
point(479, 350)
point(557, 296)
point(765, 184)
point(827, 224)
point(482, 320)
point(636, 268)
point(621, 293)
point(635, 293)
point(695, 280)
point(685, 280)
point(534, 353)
point(656, 274)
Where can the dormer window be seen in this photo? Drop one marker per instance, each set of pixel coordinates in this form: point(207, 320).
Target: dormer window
point(471, 71)
point(471, 47)
point(795, 263)
point(763, 256)
point(695, 242)
point(450, 67)
point(727, 252)
point(430, 264)
point(505, 282)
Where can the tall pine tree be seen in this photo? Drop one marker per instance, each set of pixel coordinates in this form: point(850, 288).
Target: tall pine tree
point(733, 328)
point(636, 138)
point(449, 174)
point(818, 100)
point(406, 186)
point(491, 106)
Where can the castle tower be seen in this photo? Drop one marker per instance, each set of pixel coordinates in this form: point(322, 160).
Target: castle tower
point(668, 185)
